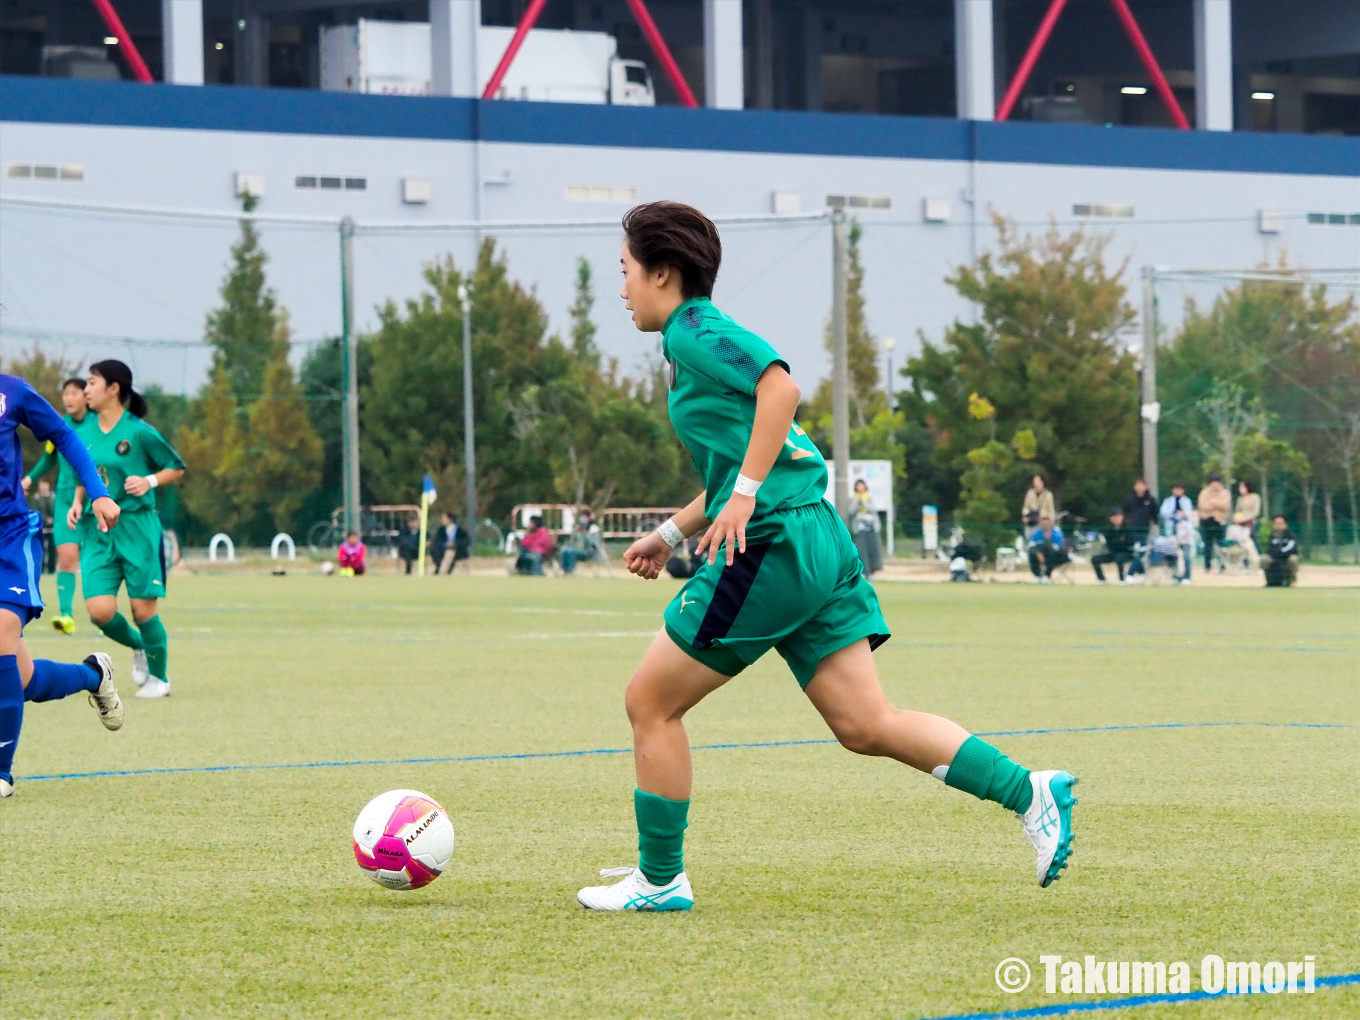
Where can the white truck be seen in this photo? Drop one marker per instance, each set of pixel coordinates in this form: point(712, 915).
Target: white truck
point(553, 65)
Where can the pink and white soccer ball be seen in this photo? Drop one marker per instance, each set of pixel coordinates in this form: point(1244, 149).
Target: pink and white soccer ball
point(403, 839)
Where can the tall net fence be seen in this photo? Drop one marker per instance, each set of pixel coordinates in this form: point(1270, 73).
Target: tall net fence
point(1258, 379)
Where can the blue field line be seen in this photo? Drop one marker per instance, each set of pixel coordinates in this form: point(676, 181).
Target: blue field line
point(591, 752)
point(1132, 1002)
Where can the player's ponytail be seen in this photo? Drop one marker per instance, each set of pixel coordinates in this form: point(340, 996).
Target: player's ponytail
point(114, 371)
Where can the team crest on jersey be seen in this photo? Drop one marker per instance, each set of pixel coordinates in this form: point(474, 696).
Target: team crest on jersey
point(123, 447)
point(2, 405)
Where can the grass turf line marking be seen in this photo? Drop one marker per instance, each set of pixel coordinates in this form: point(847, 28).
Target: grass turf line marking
point(628, 750)
point(1132, 1002)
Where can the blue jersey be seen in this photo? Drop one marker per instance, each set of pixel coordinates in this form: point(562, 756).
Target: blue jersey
point(20, 404)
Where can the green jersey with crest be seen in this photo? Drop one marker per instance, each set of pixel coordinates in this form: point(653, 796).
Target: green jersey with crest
point(131, 447)
point(713, 367)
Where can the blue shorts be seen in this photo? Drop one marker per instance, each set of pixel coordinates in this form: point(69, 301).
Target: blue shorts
point(21, 557)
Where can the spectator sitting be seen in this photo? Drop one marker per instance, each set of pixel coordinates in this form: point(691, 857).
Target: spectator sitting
point(1120, 540)
point(1281, 560)
point(585, 543)
point(1140, 510)
point(1245, 519)
point(1175, 513)
point(1215, 503)
point(408, 543)
point(351, 555)
point(534, 548)
point(1038, 505)
point(1046, 551)
point(455, 544)
point(683, 564)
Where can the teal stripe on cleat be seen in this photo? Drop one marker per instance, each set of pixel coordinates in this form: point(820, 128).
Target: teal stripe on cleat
point(1061, 788)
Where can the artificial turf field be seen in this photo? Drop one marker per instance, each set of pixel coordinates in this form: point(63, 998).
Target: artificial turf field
point(827, 885)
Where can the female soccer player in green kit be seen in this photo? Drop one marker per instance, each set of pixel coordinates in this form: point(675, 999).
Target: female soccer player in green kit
point(63, 536)
point(133, 459)
point(780, 572)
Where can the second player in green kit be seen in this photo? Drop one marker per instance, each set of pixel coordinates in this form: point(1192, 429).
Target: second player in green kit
point(133, 459)
point(780, 571)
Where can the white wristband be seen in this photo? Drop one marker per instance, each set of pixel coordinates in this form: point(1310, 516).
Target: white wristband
point(670, 533)
point(152, 481)
point(745, 486)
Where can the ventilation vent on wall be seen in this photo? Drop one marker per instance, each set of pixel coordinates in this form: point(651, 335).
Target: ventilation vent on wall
point(1334, 219)
point(1102, 210)
point(859, 202)
point(601, 193)
point(316, 182)
point(44, 172)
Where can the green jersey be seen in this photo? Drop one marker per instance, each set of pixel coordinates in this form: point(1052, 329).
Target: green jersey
point(66, 475)
point(132, 447)
point(714, 365)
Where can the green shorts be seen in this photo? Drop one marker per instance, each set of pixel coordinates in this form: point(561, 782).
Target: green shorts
point(61, 534)
point(799, 588)
point(131, 551)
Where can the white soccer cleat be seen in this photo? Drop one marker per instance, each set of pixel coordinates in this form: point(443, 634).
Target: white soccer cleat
point(106, 699)
point(6, 789)
point(141, 672)
point(154, 688)
point(1048, 822)
point(636, 893)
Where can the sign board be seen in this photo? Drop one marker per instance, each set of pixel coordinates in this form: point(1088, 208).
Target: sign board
point(930, 529)
point(878, 475)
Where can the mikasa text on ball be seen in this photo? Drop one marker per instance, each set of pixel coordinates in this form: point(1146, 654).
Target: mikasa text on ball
point(403, 839)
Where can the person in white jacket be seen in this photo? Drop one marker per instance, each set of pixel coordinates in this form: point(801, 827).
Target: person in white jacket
point(1177, 514)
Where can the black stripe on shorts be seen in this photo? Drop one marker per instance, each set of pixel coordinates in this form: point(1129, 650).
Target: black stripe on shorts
point(729, 594)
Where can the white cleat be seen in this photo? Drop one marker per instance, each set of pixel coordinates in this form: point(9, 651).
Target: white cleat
point(636, 893)
point(6, 789)
point(141, 672)
point(154, 688)
point(106, 699)
point(1048, 822)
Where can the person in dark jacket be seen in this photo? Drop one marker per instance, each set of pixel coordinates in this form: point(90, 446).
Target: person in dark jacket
point(408, 543)
point(1120, 540)
point(1140, 509)
point(1281, 561)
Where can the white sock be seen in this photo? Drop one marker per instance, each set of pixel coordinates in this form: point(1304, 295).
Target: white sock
point(939, 772)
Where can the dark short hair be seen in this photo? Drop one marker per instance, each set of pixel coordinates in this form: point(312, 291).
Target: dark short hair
point(354, 533)
point(1117, 512)
point(1215, 478)
point(1178, 485)
point(111, 370)
point(73, 381)
point(536, 520)
point(679, 236)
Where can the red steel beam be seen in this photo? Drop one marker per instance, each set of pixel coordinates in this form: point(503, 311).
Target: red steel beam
point(1026, 67)
point(1135, 34)
point(516, 41)
point(663, 53)
point(116, 29)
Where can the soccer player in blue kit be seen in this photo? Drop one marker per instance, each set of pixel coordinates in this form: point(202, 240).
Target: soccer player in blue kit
point(22, 678)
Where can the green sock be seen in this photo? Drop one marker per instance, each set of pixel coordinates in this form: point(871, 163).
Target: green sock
point(157, 647)
point(66, 591)
point(118, 629)
point(661, 836)
point(980, 769)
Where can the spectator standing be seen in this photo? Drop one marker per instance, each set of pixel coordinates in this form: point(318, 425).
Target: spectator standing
point(1140, 510)
point(1046, 552)
point(439, 540)
point(1246, 517)
point(535, 548)
point(43, 501)
point(1215, 504)
point(350, 557)
point(864, 526)
point(1176, 511)
point(1120, 540)
point(1281, 560)
point(1038, 504)
point(408, 543)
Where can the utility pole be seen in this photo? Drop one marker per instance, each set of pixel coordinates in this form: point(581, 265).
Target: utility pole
point(888, 344)
point(469, 441)
point(349, 377)
point(840, 383)
point(1150, 410)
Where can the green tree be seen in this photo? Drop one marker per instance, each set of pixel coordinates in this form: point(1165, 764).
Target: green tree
point(213, 446)
point(1044, 353)
point(583, 328)
point(45, 373)
point(242, 330)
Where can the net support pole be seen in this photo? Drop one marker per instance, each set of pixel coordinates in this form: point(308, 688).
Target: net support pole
point(469, 436)
point(1150, 410)
point(840, 382)
point(350, 373)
